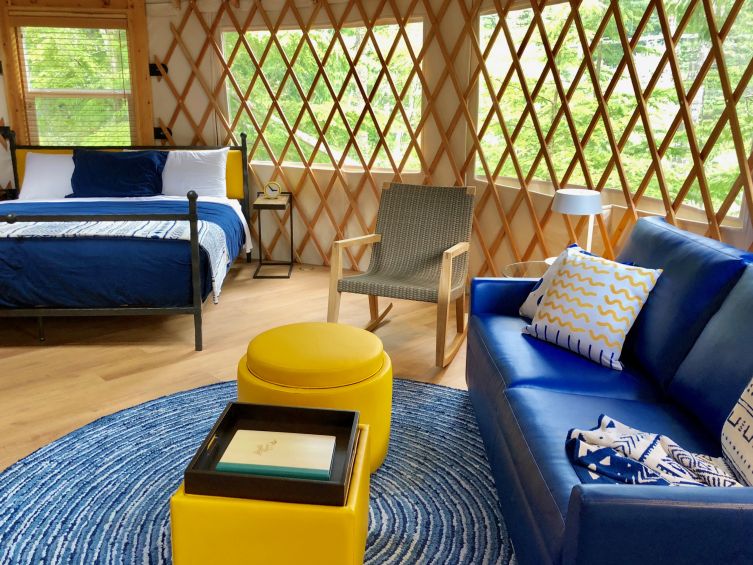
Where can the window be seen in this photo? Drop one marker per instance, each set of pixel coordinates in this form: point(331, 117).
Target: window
point(77, 86)
point(693, 49)
point(352, 141)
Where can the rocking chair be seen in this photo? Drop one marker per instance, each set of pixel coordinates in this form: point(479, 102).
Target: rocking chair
point(420, 253)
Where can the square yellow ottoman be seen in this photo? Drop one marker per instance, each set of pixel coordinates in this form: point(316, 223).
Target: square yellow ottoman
point(322, 365)
point(234, 531)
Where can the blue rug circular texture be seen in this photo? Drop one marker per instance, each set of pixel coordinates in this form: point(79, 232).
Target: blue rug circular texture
point(100, 495)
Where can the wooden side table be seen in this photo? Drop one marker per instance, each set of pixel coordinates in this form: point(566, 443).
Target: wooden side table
point(281, 202)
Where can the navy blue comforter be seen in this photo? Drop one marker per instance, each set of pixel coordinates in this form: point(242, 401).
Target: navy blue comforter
point(106, 272)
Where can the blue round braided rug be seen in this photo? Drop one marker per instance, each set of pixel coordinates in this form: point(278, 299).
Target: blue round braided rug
point(100, 494)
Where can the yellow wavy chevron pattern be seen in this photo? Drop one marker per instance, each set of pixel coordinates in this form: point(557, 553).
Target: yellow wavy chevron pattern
point(606, 312)
point(624, 291)
point(633, 281)
point(595, 269)
point(591, 304)
point(569, 311)
point(624, 307)
point(564, 271)
point(573, 287)
point(614, 329)
point(605, 339)
point(569, 297)
point(557, 320)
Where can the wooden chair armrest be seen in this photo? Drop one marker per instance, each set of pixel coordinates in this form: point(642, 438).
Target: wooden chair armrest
point(361, 240)
point(445, 274)
point(457, 249)
point(336, 262)
point(336, 269)
point(443, 304)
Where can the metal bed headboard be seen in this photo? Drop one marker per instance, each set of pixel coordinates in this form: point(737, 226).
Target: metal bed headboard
point(7, 133)
point(195, 308)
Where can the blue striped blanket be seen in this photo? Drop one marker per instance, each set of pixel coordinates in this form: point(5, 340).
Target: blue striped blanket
point(615, 453)
point(211, 237)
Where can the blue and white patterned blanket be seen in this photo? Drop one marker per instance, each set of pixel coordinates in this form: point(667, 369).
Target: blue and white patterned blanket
point(211, 237)
point(615, 453)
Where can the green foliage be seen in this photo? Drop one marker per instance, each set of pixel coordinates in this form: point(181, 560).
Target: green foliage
point(338, 127)
point(84, 78)
point(721, 165)
point(83, 121)
point(79, 82)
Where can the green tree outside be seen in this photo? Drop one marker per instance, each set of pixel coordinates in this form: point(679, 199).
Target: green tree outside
point(320, 100)
point(721, 165)
point(79, 88)
point(78, 85)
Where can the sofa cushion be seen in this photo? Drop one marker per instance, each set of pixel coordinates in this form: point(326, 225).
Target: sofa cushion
point(715, 372)
point(522, 360)
point(698, 274)
point(535, 424)
point(521, 519)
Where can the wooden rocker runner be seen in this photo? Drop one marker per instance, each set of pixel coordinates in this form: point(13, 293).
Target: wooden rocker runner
point(420, 252)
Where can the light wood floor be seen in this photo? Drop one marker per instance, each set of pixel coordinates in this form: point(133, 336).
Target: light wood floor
point(90, 367)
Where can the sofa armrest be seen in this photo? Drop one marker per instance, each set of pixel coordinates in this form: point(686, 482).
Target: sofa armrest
point(499, 296)
point(644, 523)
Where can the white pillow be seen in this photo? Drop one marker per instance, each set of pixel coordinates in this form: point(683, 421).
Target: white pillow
point(202, 171)
point(737, 446)
point(590, 306)
point(528, 308)
point(47, 176)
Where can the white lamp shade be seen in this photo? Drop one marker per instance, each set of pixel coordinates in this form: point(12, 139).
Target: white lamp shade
point(577, 202)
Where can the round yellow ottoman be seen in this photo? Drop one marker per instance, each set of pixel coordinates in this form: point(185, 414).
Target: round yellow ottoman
point(322, 365)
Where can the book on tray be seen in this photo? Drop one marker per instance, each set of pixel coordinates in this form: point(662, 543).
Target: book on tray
point(279, 454)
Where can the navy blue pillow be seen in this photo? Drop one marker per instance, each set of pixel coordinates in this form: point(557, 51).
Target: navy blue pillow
point(117, 173)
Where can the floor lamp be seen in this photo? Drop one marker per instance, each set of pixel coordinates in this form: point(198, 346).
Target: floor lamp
point(579, 202)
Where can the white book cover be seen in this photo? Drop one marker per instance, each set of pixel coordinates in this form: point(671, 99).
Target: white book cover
point(282, 454)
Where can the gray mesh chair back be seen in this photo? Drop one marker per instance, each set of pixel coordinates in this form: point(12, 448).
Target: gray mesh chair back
point(417, 224)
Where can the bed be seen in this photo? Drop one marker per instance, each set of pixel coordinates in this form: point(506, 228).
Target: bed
point(101, 256)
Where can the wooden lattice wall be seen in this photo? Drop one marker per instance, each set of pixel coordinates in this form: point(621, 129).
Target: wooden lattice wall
point(471, 67)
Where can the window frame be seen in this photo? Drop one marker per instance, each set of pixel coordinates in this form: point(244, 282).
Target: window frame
point(115, 14)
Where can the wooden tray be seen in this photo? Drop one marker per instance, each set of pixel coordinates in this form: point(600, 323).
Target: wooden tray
point(201, 477)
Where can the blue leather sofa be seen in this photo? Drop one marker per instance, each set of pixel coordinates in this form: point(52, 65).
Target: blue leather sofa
point(687, 359)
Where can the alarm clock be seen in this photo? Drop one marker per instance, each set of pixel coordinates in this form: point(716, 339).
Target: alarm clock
point(272, 190)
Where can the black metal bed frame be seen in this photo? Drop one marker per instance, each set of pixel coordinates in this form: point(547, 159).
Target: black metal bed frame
point(195, 308)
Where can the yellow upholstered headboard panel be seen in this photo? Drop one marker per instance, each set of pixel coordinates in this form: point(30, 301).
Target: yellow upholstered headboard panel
point(233, 172)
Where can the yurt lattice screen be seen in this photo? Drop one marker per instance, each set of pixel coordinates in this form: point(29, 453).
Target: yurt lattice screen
point(646, 100)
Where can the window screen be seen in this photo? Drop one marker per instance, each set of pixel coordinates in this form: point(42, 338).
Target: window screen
point(77, 86)
point(701, 83)
point(338, 73)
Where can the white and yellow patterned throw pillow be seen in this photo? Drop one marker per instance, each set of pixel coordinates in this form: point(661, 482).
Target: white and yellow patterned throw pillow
point(737, 443)
point(590, 306)
point(531, 304)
